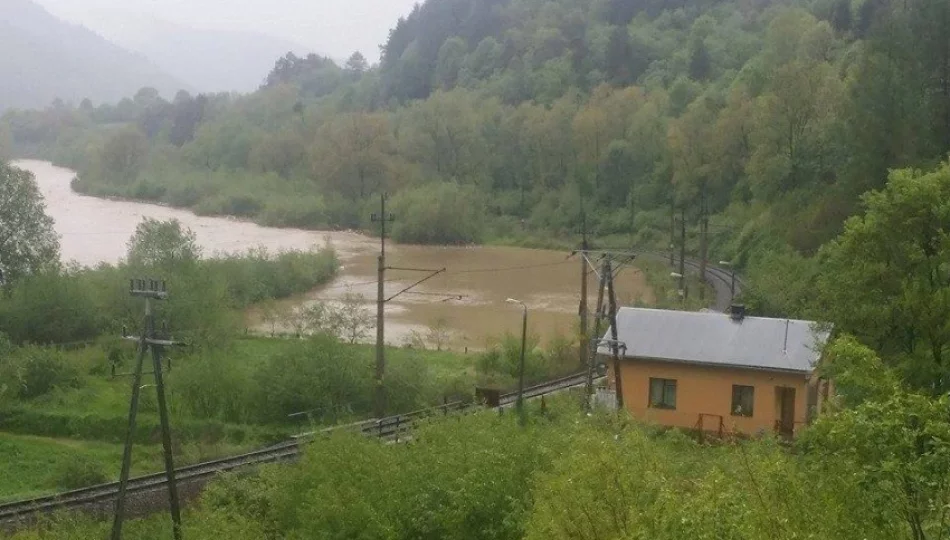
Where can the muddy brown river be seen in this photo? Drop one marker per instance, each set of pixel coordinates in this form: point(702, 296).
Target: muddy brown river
point(467, 300)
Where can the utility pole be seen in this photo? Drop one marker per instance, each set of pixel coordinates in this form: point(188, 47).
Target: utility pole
point(379, 407)
point(151, 290)
point(380, 394)
point(598, 316)
point(672, 231)
point(703, 238)
point(682, 271)
point(583, 345)
point(615, 344)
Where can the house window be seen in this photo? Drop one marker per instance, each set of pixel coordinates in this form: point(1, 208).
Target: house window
point(743, 400)
point(662, 393)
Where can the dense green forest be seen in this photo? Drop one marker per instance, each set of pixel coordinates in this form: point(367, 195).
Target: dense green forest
point(765, 120)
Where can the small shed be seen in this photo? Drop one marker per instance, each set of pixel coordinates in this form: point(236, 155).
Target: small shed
point(719, 372)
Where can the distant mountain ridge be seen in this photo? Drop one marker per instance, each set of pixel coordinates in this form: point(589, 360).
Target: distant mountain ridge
point(45, 58)
point(209, 60)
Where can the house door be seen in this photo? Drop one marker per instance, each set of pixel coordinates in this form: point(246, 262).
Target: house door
point(785, 405)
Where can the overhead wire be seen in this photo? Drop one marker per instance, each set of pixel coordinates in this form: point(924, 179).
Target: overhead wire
point(508, 269)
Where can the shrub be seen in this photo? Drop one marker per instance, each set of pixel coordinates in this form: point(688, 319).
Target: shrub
point(444, 213)
point(33, 371)
point(501, 363)
point(79, 471)
point(50, 307)
point(307, 212)
point(320, 376)
point(209, 387)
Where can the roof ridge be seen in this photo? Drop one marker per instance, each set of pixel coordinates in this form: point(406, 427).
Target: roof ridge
point(715, 313)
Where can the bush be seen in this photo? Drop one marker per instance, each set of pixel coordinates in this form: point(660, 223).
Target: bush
point(257, 275)
point(79, 471)
point(209, 387)
point(33, 371)
point(50, 307)
point(80, 305)
point(307, 212)
point(443, 213)
point(500, 364)
point(320, 376)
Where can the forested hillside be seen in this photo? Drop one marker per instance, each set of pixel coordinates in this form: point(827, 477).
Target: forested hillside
point(761, 122)
point(45, 59)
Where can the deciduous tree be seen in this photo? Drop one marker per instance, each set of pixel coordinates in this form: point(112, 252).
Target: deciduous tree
point(886, 278)
point(28, 241)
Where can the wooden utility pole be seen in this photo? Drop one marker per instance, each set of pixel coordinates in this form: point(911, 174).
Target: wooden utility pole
point(151, 290)
point(672, 231)
point(379, 406)
point(682, 269)
point(615, 344)
point(703, 237)
point(592, 343)
point(382, 218)
point(583, 345)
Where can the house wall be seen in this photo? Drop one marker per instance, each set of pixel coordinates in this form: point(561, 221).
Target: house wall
point(708, 391)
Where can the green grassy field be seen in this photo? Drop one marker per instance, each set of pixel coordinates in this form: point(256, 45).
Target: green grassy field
point(56, 441)
point(32, 466)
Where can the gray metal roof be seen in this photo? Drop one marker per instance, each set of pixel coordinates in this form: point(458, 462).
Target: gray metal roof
point(715, 339)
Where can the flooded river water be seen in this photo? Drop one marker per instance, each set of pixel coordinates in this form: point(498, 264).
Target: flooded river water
point(467, 300)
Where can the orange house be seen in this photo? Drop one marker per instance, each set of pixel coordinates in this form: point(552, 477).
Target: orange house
point(717, 372)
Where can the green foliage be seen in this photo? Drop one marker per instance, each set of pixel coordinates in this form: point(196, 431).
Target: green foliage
point(503, 120)
point(209, 386)
point(600, 476)
point(450, 484)
point(440, 214)
point(64, 306)
point(784, 285)
point(328, 380)
point(499, 365)
point(258, 275)
point(28, 243)
point(54, 306)
point(881, 279)
point(322, 376)
point(898, 450)
point(637, 485)
point(78, 472)
point(32, 372)
point(162, 244)
point(858, 373)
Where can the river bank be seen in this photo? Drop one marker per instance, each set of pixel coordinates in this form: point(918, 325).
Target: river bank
point(466, 302)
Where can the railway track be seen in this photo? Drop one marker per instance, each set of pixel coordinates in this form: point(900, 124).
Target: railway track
point(390, 429)
point(720, 278)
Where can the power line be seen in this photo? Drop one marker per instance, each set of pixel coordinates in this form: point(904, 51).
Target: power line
point(507, 269)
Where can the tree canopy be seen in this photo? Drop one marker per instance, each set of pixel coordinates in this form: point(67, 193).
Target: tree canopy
point(28, 242)
point(758, 125)
point(886, 277)
point(162, 243)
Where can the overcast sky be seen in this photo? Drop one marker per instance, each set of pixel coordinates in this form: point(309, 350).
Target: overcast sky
point(331, 27)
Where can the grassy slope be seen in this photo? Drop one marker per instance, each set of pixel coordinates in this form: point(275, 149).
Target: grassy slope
point(30, 466)
point(30, 463)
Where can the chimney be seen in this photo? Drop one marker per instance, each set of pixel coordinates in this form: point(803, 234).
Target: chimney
point(737, 312)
